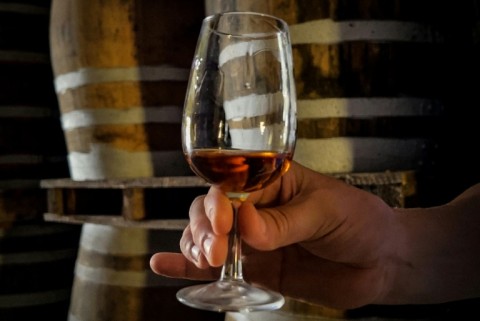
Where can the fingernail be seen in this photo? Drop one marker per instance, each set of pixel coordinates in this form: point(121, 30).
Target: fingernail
point(207, 245)
point(210, 212)
point(195, 252)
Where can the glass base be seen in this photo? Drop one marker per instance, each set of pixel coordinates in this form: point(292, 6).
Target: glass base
point(225, 296)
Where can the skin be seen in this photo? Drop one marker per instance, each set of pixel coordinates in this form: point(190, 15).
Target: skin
point(315, 238)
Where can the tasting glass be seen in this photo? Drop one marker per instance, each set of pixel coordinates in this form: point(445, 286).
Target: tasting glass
point(238, 133)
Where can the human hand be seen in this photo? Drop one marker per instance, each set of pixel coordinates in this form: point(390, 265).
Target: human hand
point(308, 236)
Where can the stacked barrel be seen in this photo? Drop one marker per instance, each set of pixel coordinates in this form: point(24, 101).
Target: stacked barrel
point(121, 70)
point(369, 98)
point(36, 258)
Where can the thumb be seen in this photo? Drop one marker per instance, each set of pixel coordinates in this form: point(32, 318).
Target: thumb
point(271, 228)
point(307, 216)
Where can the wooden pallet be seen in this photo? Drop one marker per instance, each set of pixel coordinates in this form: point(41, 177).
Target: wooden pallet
point(163, 202)
point(157, 203)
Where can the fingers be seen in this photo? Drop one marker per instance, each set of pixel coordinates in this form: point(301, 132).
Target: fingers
point(201, 243)
point(204, 251)
point(191, 251)
point(175, 265)
point(205, 240)
point(219, 210)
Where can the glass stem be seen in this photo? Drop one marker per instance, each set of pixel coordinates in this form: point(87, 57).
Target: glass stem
point(232, 269)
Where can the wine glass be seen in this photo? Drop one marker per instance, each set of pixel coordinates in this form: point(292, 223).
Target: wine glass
point(238, 132)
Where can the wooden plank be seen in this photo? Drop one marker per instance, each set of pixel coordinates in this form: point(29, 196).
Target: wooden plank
point(156, 202)
point(133, 200)
point(147, 182)
point(175, 225)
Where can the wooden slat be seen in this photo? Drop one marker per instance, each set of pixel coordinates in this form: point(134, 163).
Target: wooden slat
point(176, 225)
point(148, 182)
point(163, 202)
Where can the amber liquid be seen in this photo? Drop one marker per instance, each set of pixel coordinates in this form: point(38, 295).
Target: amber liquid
point(239, 171)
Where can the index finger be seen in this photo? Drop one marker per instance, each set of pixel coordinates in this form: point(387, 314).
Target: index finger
point(218, 209)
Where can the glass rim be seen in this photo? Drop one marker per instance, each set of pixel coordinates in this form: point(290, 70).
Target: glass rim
point(283, 29)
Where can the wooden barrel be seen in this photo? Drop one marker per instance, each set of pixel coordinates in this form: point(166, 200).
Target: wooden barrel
point(32, 146)
point(113, 280)
point(36, 258)
point(20, 201)
point(369, 95)
point(36, 264)
point(121, 70)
